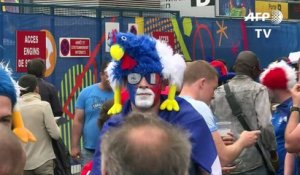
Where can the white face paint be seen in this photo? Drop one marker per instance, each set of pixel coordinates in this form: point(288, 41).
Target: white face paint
point(144, 98)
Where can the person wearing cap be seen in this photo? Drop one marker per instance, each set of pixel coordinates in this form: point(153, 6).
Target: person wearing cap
point(145, 66)
point(279, 78)
point(38, 117)
point(223, 73)
point(254, 101)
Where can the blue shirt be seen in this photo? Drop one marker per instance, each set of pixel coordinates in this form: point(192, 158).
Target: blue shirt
point(279, 121)
point(204, 153)
point(90, 100)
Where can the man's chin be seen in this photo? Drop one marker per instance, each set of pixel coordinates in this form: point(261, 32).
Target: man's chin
point(144, 105)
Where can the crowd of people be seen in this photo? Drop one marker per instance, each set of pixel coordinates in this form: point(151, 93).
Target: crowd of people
point(130, 124)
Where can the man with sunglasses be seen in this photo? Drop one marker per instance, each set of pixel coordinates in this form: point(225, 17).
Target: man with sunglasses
point(145, 81)
point(144, 89)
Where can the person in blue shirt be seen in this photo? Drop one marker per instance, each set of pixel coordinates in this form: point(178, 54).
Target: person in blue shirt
point(279, 78)
point(88, 107)
point(145, 80)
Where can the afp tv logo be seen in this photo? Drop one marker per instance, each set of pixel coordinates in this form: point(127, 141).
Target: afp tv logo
point(265, 31)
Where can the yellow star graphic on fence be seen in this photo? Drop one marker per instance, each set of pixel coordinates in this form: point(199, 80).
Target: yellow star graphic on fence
point(221, 31)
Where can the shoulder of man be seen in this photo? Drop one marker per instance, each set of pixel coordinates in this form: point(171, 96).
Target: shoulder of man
point(88, 88)
point(50, 85)
point(261, 86)
point(45, 83)
point(219, 90)
point(197, 104)
point(51, 88)
point(186, 113)
point(114, 121)
point(118, 119)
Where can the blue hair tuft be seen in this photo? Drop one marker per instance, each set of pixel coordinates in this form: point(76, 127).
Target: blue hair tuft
point(7, 84)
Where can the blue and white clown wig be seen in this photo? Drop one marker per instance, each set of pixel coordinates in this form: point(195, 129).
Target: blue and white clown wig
point(10, 89)
point(8, 86)
point(144, 54)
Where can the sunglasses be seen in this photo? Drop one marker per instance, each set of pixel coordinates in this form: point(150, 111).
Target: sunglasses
point(135, 78)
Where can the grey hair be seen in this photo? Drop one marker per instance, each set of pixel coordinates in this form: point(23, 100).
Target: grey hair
point(123, 156)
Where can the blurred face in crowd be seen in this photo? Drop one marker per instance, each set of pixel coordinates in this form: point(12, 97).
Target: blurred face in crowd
point(5, 111)
point(144, 90)
point(105, 81)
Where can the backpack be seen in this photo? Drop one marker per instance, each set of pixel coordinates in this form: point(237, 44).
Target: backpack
point(63, 158)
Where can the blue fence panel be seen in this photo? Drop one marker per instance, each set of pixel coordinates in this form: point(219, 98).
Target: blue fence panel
point(203, 38)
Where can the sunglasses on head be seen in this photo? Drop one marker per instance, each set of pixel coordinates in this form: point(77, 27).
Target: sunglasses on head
point(135, 78)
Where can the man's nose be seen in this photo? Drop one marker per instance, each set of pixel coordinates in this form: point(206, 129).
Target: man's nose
point(143, 83)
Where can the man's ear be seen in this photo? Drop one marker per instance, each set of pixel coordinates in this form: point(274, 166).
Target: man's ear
point(200, 82)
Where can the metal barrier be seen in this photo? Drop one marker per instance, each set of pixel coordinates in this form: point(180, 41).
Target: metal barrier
point(62, 10)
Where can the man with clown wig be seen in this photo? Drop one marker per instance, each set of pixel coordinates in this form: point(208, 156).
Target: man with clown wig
point(279, 78)
point(9, 111)
point(145, 66)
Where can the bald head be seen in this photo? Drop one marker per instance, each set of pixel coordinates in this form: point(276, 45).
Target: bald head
point(248, 57)
point(145, 145)
point(147, 136)
point(12, 155)
point(247, 63)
